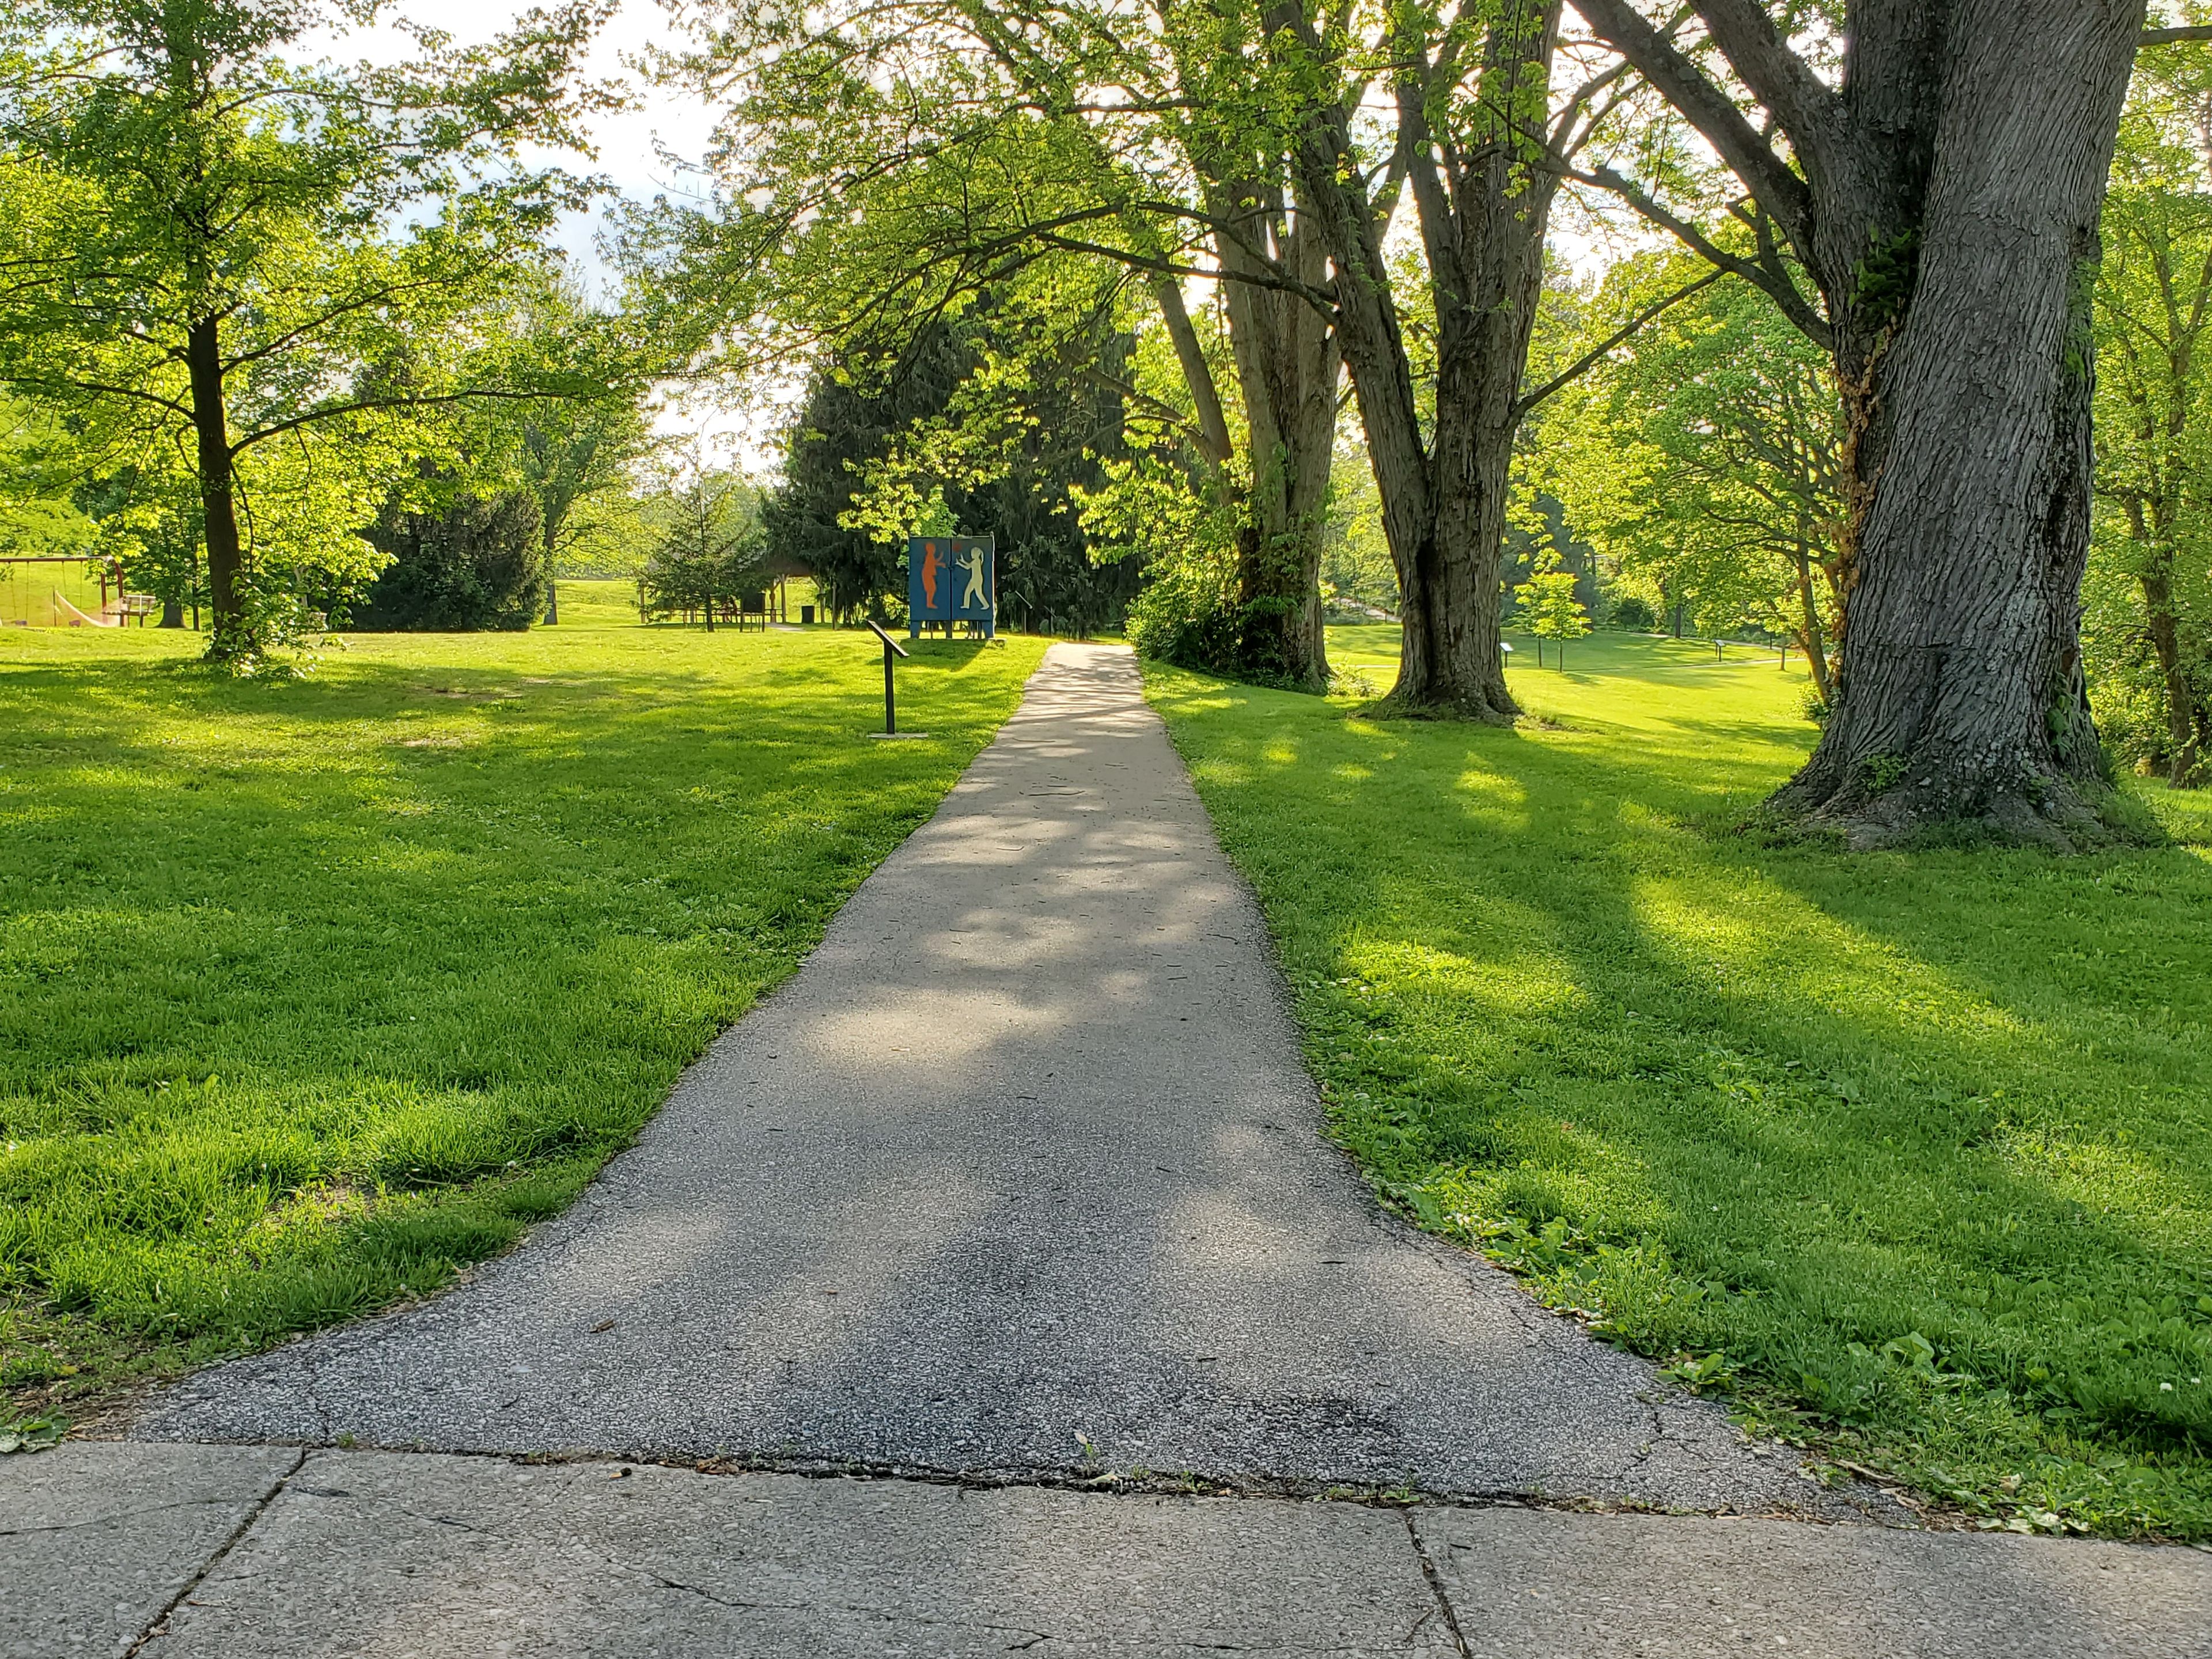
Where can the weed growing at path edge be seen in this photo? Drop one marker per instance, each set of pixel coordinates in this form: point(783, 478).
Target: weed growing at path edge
point(310, 993)
point(1910, 1153)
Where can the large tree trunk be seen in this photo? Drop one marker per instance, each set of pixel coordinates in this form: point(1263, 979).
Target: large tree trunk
point(1459, 662)
point(1374, 353)
point(1486, 256)
point(1286, 369)
point(1946, 202)
point(232, 635)
point(1959, 694)
point(1483, 213)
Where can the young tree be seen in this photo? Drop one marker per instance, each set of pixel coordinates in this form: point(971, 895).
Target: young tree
point(1552, 610)
point(198, 235)
point(1948, 237)
point(573, 452)
point(711, 548)
point(1705, 455)
point(1356, 567)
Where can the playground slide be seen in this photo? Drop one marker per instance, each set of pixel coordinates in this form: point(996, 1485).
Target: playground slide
point(77, 618)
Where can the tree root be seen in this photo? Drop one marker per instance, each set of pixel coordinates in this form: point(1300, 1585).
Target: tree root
point(1928, 807)
point(1481, 711)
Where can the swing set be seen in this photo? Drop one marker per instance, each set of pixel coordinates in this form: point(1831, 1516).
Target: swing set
point(56, 590)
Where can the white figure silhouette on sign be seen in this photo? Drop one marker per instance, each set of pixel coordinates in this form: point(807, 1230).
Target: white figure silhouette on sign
point(972, 598)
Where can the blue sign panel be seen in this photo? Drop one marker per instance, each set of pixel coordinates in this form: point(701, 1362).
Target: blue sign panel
point(952, 579)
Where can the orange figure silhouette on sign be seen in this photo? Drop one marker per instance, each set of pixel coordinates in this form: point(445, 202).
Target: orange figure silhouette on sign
point(929, 571)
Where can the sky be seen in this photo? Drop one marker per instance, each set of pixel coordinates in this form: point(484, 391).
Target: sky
point(628, 142)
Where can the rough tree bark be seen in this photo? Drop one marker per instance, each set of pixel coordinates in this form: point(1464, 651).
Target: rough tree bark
point(1284, 359)
point(1483, 213)
point(1947, 211)
point(211, 431)
point(1287, 370)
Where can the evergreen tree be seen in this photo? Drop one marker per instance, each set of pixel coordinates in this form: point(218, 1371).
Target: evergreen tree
point(470, 564)
point(857, 425)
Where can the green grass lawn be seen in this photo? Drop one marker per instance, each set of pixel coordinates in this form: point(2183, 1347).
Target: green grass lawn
point(310, 992)
point(1910, 1153)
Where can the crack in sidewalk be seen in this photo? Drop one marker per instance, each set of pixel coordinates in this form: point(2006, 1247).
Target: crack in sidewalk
point(160, 1623)
point(114, 1516)
point(1436, 1586)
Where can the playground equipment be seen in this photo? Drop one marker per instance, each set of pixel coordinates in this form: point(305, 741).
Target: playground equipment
point(56, 590)
point(953, 579)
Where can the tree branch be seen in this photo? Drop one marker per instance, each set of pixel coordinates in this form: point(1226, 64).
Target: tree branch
point(2168, 36)
point(354, 406)
point(1581, 365)
point(1707, 108)
point(1784, 294)
point(1806, 109)
point(68, 383)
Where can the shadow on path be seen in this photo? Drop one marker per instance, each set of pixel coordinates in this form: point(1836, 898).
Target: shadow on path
point(1020, 1174)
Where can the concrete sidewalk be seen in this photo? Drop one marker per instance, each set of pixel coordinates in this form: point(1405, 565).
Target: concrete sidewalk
point(172, 1551)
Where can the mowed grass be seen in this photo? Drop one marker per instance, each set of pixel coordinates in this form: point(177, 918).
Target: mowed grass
point(312, 992)
point(1910, 1153)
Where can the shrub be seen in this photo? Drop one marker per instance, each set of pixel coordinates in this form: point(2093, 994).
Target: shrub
point(1186, 613)
point(1633, 614)
point(472, 565)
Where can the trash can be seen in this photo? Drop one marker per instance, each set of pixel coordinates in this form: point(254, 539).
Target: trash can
point(806, 615)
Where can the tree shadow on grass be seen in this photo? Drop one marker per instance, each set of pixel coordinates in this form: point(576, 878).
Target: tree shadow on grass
point(1809, 1109)
point(285, 968)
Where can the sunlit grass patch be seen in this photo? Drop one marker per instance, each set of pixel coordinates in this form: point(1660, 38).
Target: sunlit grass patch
point(1910, 1154)
point(312, 992)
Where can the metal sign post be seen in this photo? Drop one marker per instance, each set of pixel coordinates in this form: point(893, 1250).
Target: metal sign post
point(890, 696)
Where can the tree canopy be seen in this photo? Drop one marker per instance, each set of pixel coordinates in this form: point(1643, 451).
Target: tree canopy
point(264, 273)
point(1216, 314)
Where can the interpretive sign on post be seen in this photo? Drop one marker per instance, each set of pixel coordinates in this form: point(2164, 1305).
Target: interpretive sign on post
point(952, 579)
point(890, 691)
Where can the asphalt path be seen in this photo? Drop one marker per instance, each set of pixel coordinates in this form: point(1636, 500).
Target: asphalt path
point(1019, 1177)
